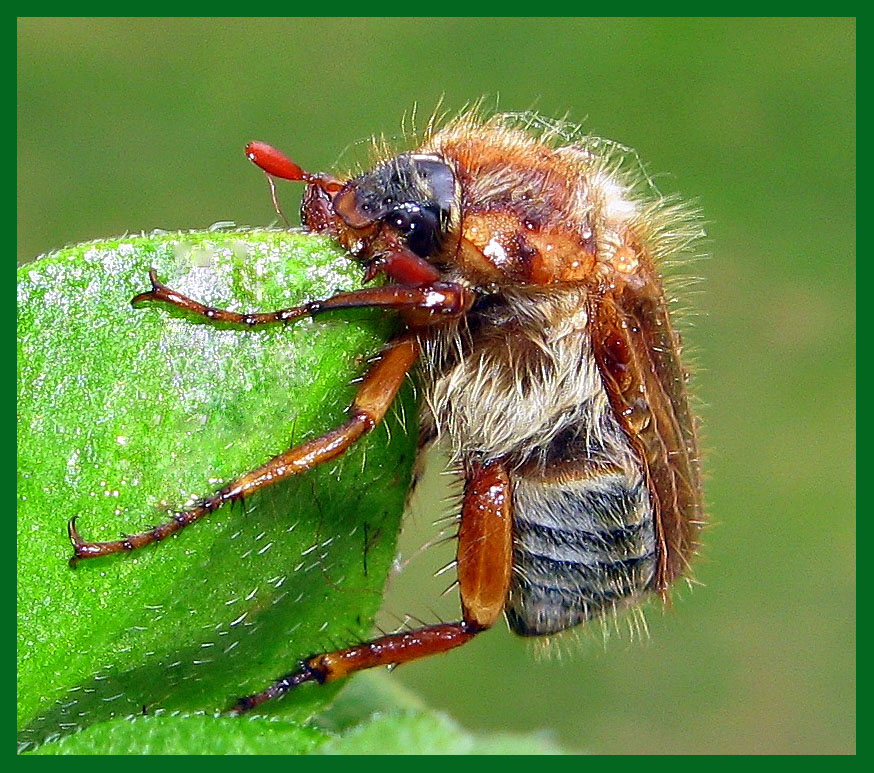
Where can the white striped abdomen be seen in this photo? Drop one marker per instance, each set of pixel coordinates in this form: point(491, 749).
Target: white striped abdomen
point(584, 542)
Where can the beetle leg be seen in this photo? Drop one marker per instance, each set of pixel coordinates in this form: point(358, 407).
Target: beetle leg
point(402, 265)
point(439, 299)
point(372, 400)
point(485, 542)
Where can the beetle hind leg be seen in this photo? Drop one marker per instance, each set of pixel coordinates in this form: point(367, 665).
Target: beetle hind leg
point(391, 650)
point(484, 569)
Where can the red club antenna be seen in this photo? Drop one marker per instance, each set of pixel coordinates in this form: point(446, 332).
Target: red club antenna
point(276, 164)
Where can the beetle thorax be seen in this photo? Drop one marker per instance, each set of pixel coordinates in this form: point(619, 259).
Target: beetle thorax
point(513, 377)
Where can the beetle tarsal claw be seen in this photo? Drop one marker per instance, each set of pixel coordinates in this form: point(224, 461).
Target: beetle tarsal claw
point(156, 293)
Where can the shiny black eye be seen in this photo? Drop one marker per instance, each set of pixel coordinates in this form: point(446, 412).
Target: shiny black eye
point(419, 225)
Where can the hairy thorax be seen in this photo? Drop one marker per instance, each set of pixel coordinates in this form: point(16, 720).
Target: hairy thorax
point(512, 377)
point(532, 215)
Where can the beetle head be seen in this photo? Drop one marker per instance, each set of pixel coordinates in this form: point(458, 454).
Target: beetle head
point(412, 198)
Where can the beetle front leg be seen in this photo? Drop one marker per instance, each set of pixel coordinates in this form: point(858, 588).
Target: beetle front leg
point(372, 400)
point(485, 562)
point(435, 300)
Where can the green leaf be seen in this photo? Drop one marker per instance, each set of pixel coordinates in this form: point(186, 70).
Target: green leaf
point(398, 732)
point(126, 414)
point(190, 735)
point(391, 721)
point(425, 732)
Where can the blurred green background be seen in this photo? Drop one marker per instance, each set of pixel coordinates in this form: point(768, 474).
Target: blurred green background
point(135, 124)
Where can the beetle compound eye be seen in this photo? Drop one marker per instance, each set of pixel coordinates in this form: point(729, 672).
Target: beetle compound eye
point(420, 227)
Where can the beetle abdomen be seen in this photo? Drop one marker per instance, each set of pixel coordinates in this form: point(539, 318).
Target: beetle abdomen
point(582, 547)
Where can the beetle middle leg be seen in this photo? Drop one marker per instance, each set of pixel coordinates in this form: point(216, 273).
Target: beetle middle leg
point(371, 403)
point(485, 544)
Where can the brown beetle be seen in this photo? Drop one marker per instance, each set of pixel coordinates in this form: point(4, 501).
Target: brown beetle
point(526, 272)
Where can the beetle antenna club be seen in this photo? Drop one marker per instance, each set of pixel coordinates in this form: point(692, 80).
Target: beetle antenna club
point(524, 262)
